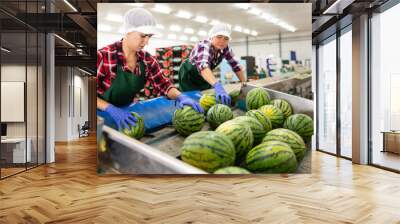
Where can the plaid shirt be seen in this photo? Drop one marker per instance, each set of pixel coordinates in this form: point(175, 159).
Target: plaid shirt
point(204, 55)
point(155, 83)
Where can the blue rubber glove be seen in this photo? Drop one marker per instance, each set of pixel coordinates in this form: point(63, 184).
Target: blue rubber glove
point(185, 100)
point(221, 95)
point(121, 117)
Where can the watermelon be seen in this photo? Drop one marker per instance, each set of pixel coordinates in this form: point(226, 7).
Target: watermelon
point(256, 127)
point(232, 170)
point(289, 137)
point(136, 131)
point(285, 106)
point(218, 114)
point(301, 124)
point(256, 98)
point(234, 96)
point(274, 114)
point(271, 157)
point(208, 150)
point(260, 116)
point(207, 100)
point(240, 135)
point(187, 121)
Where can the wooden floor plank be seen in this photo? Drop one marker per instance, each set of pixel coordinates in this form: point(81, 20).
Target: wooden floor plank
point(70, 191)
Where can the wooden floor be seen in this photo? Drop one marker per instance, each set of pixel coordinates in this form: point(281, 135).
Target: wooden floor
point(70, 191)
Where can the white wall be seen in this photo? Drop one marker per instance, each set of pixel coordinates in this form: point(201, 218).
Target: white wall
point(105, 38)
point(260, 47)
point(69, 85)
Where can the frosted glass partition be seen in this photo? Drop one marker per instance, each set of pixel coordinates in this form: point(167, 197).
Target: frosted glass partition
point(327, 97)
point(346, 94)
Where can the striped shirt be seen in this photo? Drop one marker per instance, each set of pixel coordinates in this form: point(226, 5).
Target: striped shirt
point(155, 82)
point(204, 55)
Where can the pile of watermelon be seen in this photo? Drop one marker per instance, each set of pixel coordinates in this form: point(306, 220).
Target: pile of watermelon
point(269, 138)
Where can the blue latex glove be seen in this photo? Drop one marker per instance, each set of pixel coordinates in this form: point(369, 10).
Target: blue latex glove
point(220, 94)
point(121, 117)
point(185, 100)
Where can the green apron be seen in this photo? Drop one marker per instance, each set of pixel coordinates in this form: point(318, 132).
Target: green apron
point(124, 87)
point(190, 79)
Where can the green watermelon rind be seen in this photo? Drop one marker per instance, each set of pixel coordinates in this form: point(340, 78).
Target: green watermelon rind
point(232, 170)
point(218, 114)
point(289, 137)
point(136, 131)
point(256, 98)
point(208, 150)
point(187, 121)
point(240, 135)
point(301, 124)
point(271, 157)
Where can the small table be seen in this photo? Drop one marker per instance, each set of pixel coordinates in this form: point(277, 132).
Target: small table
point(16, 147)
point(391, 141)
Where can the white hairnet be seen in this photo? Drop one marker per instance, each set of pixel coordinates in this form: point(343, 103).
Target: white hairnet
point(140, 20)
point(220, 29)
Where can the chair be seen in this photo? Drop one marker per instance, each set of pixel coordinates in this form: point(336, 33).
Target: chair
point(84, 130)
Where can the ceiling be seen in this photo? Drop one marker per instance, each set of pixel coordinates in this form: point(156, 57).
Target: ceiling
point(298, 15)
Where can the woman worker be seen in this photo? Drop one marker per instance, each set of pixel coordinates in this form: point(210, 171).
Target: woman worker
point(196, 72)
point(124, 67)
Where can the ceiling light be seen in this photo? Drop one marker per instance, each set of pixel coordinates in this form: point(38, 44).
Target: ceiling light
point(183, 37)
point(104, 28)
point(238, 28)
point(188, 30)
point(254, 33)
point(159, 26)
point(255, 11)
point(171, 36)
point(266, 16)
point(135, 4)
point(184, 14)
point(202, 33)
point(274, 20)
point(84, 71)
point(70, 5)
point(194, 39)
point(121, 30)
point(5, 50)
point(246, 31)
point(158, 35)
point(214, 22)
point(64, 40)
point(175, 28)
point(201, 19)
point(242, 5)
point(162, 9)
point(115, 18)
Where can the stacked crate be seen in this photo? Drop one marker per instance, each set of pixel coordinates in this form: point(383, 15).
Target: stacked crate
point(170, 60)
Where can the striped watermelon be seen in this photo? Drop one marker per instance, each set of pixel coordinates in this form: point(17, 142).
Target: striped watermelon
point(207, 100)
point(301, 124)
point(234, 96)
point(289, 137)
point(136, 131)
point(256, 127)
point(260, 116)
point(274, 114)
point(232, 170)
point(208, 150)
point(256, 98)
point(187, 121)
point(240, 135)
point(285, 107)
point(218, 114)
point(271, 157)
